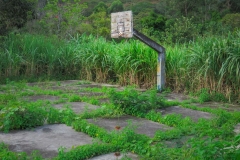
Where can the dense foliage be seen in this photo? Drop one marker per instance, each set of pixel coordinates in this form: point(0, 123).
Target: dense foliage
point(211, 62)
point(158, 19)
point(14, 14)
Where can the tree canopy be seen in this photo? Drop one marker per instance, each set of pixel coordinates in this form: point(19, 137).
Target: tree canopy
point(15, 13)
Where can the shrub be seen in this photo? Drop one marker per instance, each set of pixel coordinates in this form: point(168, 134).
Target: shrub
point(132, 101)
point(232, 20)
point(22, 117)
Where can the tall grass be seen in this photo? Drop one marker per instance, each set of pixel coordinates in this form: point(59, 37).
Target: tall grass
point(30, 55)
point(136, 64)
point(209, 62)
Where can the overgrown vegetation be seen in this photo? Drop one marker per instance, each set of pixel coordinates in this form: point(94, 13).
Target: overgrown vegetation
point(203, 139)
point(65, 39)
point(210, 62)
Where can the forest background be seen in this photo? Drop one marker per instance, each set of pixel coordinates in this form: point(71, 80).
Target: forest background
point(71, 39)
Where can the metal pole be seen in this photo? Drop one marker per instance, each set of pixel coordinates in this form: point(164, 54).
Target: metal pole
point(161, 71)
point(161, 57)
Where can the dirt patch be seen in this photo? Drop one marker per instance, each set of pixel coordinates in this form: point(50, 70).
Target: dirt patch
point(185, 112)
point(77, 107)
point(142, 126)
point(46, 139)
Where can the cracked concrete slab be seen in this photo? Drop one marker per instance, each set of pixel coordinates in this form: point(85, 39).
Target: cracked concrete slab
point(41, 97)
point(185, 112)
point(225, 106)
point(143, 126)
point(175, 97)
point(90, 94)
point(104, 100)
point(46, 139)
point(77, 107)
point(237, 129)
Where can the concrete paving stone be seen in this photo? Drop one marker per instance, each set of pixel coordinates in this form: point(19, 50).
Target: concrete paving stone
point(144, 126)
point(111, 156)
point(77, 107)
point(54, 83)
point(228, 107)
point(89, 86)
point(46, 139)
point(104, 100)
point(68, 82)
point(73, 88)
point(106, 85)
point(237, 129)
point(137, 89)
point(89, 94)
point(175, 97)
point(41, 84)
point(41, 97)
point(185, 112)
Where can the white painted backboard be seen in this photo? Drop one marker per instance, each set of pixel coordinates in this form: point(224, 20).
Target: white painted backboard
point(122, 24)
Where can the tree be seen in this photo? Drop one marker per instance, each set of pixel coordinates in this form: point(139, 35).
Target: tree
point(232, 20)
point(15, 13)
point(154, 24)
point(141, 7)
point(100, 7)
point(116, 6)
point(181, 30)
point(62, 17)
point(97, 24)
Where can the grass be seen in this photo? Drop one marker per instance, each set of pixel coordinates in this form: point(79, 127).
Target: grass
point(209, 139)
point(208, 62)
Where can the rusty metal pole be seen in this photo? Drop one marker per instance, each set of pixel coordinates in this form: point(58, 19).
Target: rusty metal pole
point(161, 58)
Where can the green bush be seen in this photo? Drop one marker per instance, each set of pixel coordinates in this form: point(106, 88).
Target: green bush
point(214, 149)
point(181, 30)
point(232, 20)
point(22, 117)
point(132, 101)
point(141, 7)
point(65, 115)
point(204, 95)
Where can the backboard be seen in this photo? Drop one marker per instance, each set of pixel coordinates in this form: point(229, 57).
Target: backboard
point(122, 24)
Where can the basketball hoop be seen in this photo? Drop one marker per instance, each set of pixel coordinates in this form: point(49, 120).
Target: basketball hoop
point(121, 24)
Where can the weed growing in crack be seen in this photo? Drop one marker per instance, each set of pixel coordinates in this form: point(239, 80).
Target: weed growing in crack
point(85, 151)
point(65, 115)
point(131, 101)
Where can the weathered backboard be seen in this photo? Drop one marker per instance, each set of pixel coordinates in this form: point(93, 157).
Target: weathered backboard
point(122, 24)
